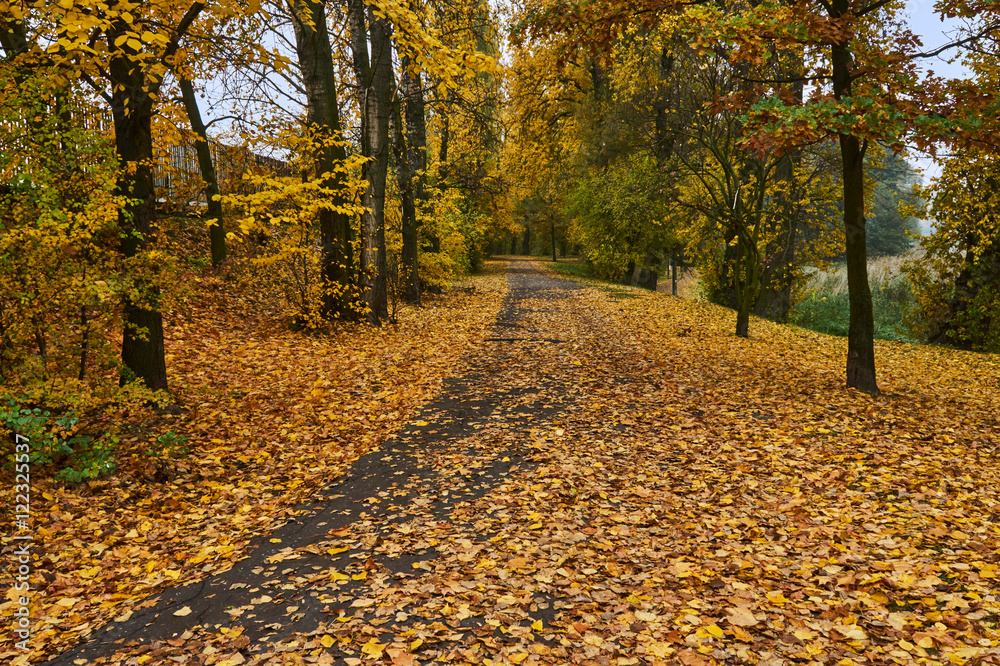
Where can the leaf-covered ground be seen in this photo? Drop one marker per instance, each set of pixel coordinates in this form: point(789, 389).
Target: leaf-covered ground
point(643, 488)
point(270, 415)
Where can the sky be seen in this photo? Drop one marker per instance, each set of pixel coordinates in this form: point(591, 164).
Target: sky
point(934, 33)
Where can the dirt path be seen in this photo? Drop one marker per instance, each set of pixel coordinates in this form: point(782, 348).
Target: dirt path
point(381, 528)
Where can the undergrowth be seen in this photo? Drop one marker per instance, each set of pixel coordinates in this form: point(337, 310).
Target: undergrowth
point(825, 307)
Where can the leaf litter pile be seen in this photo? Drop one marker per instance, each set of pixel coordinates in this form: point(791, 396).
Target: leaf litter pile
point(646, 488)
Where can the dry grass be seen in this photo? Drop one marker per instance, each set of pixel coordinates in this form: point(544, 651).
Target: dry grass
point(881, 272)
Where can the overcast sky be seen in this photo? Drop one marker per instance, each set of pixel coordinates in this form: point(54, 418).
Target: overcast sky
point(934, 33)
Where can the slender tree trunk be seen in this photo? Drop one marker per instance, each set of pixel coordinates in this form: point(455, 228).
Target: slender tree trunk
point(132, 112)
point(741, 284)
point(442, 175)
point(84, 342)
point(553, 222)
point(673, 270)
point(312, 45)
point(664, 132)
point(374, 87)
point(861, 332)
point(216, 232)
point(416, 154)
point(408, 213)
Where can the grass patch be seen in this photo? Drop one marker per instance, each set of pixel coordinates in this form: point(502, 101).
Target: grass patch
point(577, 269)
point(619, 293)
point(826, 308)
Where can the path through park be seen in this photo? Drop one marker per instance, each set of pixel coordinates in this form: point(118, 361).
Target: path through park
point(618, 480)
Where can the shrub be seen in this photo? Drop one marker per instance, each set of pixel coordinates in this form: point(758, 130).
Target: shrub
point(56, 440)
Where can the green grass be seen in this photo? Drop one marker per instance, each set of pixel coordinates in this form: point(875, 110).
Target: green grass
point(826, 309)
point(573, 269)
point(582, 270)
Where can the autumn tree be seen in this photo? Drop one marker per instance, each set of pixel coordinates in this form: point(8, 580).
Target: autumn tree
point(866, 87)
point(315, 59)
point(123, 51)
point(957, 279)
point(59, 260)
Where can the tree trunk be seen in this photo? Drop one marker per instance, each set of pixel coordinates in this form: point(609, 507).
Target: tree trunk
point(408, 214)
point(861, 332)
point(416, 142)
point(673, 271)
point(374, 88)
point(312, 45)
point(526, 244)
point(216, 232)
point(664, 132)
point(132, 113)
point(553, 222)
point(747, 281)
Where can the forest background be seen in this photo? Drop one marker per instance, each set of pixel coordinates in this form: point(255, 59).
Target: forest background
point(355, 156)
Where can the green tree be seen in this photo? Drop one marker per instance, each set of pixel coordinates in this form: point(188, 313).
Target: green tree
point(892, 227)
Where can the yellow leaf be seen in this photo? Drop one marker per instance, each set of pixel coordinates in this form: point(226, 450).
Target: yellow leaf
point(373, 648)
point(854, 633)
point(415, 644)
point(742, 635)
point(134, 44)
point(327, 641)
point(518, 657)
point(420, 424)
point(777, 597)
point(715, 631)
point(183, 612)
point(537, 625)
